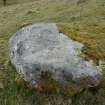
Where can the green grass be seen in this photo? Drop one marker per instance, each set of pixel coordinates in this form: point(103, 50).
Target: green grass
point(84, 22)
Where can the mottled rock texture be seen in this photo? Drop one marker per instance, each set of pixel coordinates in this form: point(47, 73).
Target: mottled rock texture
point(40, 48)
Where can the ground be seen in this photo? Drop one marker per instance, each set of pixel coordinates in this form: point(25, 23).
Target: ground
point(82, 20)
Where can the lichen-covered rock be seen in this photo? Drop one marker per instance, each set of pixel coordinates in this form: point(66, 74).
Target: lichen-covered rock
point(40, 48)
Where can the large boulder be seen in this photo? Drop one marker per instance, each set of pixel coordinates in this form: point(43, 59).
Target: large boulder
point(40, 48)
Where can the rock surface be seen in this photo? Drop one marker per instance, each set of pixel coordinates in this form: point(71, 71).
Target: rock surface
point(39, 48)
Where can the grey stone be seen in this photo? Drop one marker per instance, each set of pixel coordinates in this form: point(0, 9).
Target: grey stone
point(41, 48)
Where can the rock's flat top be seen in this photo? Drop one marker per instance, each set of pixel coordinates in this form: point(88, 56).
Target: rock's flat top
point(40, 47)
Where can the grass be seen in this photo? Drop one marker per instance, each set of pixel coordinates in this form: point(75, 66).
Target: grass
point(83, 21)
point(90, 35)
